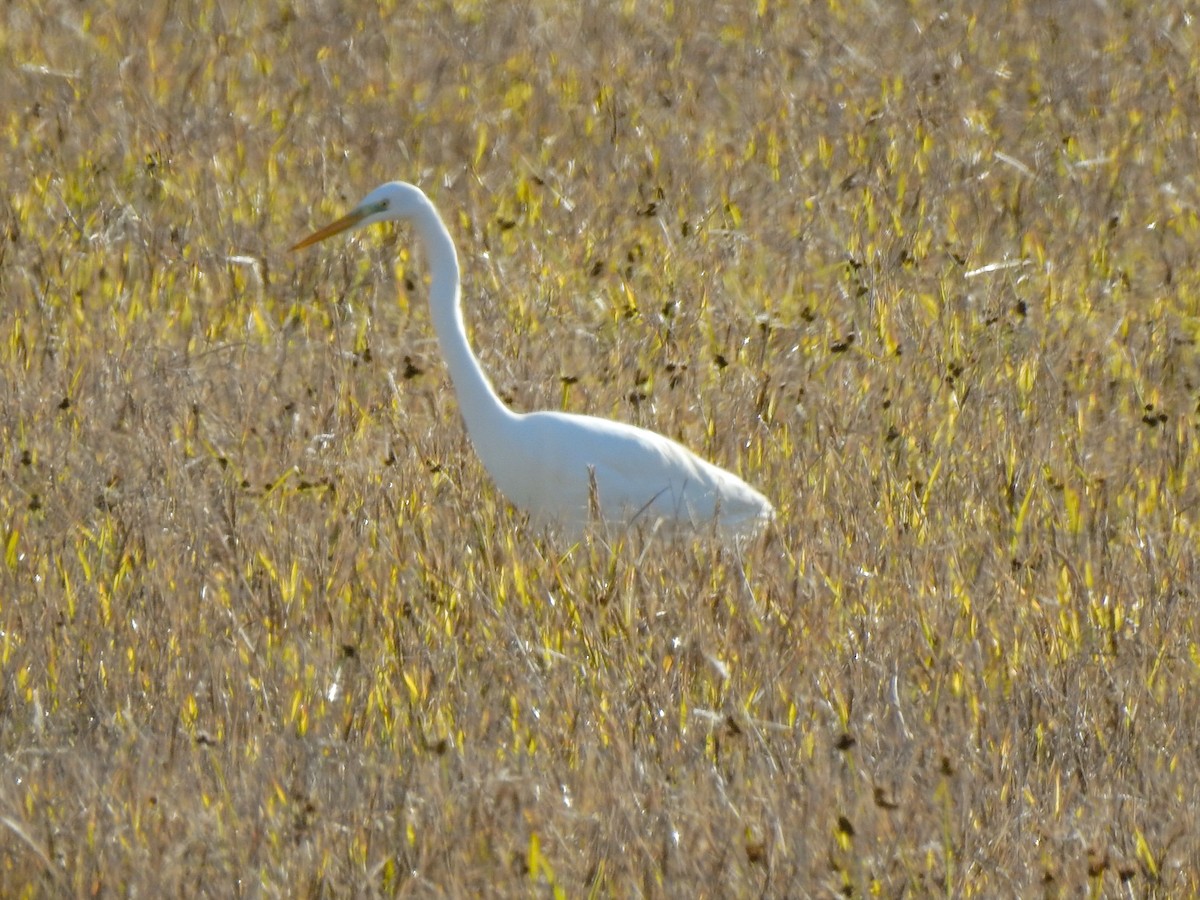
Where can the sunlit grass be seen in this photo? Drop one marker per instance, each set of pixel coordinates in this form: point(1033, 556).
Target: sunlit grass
point(925, 276)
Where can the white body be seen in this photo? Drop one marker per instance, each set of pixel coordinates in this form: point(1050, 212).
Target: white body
point(561, 468)
point(558, 466)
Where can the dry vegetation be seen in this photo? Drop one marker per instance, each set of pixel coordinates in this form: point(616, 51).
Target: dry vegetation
point(925, 273)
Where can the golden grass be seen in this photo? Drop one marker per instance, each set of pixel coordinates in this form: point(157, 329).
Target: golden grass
point(925, 273)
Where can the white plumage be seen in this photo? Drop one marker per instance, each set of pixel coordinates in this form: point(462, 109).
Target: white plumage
point(559, 467)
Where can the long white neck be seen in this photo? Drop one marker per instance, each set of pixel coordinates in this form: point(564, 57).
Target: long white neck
point(482, 410)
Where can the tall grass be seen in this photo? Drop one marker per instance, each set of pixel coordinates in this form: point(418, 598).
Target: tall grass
point(924, 273)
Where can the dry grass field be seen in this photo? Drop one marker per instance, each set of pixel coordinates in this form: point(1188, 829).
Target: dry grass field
point(926, 273)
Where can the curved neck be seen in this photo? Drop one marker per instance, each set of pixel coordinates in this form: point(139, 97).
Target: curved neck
point(482, 410)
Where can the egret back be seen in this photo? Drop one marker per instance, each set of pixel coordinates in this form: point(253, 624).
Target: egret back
point(563, 469)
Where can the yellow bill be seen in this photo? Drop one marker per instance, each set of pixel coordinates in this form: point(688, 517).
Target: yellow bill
point(347, 221)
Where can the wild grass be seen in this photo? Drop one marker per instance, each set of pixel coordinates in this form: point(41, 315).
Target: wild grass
point(925, 273)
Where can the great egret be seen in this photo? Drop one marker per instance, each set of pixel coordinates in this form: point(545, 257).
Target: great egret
point(559, 467)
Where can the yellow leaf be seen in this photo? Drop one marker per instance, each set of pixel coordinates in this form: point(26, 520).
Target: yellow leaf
point(481, 144)
point(1144, 854)
point(413, 691)
point(10, 550)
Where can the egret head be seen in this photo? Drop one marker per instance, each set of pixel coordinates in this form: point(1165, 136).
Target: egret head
point(395, 200)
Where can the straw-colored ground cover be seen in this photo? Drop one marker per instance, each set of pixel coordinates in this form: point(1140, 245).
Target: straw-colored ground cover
point(924, 273)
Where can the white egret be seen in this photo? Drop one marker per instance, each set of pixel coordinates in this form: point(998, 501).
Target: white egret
point(559, 467)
